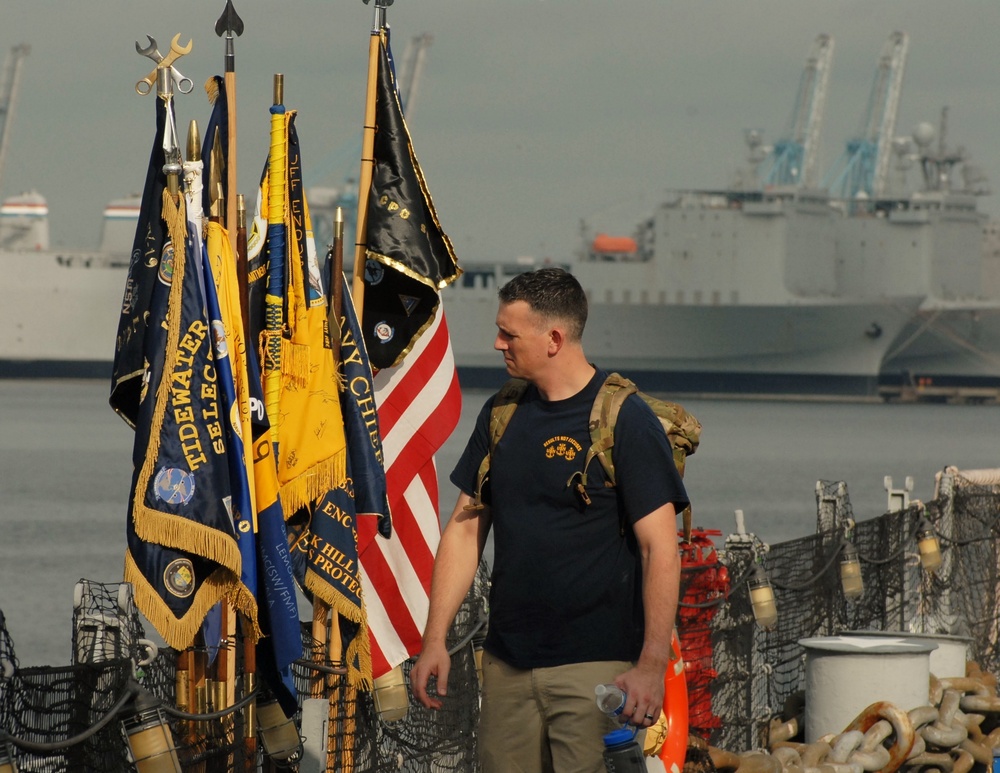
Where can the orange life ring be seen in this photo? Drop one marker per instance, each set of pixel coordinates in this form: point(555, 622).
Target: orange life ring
point(675, 709)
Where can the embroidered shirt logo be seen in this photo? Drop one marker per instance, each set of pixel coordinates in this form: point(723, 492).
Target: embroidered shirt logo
point(563, 446)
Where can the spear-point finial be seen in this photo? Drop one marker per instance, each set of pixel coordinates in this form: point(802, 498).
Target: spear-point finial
point(229, 24)
point(172, 154)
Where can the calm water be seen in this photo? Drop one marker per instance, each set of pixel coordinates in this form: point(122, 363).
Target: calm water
point(65, 469)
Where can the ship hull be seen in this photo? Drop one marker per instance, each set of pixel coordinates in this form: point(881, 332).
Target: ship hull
point(59, 317)
point(64, 317)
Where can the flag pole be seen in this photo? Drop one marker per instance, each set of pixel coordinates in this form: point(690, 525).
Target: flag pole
point(223, 687)
point(334, 649)
point(274, 298)
point(242, 275)
point(367, 155)
point(230, 24)
point(173, 168)
point(336, 283)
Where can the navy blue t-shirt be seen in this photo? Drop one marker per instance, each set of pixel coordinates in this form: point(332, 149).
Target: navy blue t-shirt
point(566, 585)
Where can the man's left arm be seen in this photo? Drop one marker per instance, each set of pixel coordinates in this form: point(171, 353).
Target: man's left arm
point(656, 535)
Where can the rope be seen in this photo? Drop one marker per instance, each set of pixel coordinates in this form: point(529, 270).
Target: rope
point(815, 578)
point(131, 690)
point(54, 746)
point(480, 624)
point(240, 704)
point(892, 556)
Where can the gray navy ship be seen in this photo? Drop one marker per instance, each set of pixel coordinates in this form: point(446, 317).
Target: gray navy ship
point(785, 283)
point(880, 278)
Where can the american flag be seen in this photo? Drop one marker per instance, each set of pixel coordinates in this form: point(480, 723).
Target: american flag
point(419, 402)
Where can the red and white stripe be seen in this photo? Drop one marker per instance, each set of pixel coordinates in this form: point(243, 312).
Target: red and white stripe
point(419, 403)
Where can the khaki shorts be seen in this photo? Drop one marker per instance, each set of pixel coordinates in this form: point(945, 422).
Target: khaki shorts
point(544, 720)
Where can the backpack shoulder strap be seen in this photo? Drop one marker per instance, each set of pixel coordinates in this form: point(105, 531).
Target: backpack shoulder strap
point(504, 404)
point(603, 416)
point(614, 391)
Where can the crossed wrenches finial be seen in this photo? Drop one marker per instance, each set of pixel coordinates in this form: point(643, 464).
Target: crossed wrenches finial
point(184, 85)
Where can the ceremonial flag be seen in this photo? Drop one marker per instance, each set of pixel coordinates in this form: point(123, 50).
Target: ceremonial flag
point(262, 536)
point(313, 469)
point(260, 524)
point(361, 423)
point(182, 555)
point(409, 258)
point(281, 644)
point(129, 369)
point(223, 303)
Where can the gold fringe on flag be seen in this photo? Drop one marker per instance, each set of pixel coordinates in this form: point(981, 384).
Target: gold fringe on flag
point(311, 484)
point(173, 531)
point(294, 363)
point(359, 650)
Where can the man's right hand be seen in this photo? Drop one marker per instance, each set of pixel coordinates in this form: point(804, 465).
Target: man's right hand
point(434, 661)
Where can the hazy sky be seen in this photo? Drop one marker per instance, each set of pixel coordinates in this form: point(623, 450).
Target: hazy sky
point(532, 115)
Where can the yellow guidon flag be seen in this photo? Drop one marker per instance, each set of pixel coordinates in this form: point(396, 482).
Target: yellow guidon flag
point(298, 373)
point(312, 450)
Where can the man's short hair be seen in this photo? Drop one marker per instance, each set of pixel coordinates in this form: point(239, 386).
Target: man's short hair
point(553, 293)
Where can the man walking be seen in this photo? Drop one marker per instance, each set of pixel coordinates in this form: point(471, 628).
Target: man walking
point(584, 586)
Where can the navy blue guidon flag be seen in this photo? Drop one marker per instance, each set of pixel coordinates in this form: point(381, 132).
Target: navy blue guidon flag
point(257, 515)
point(259, 521)
point(182, 557)
point(361, 425)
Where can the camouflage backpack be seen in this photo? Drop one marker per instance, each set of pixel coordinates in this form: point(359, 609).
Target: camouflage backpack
point(681, 428)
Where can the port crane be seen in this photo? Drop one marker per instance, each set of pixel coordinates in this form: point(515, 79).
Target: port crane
point(411, 69)
point(863, 169)
point(8, 95)
point(793, 159)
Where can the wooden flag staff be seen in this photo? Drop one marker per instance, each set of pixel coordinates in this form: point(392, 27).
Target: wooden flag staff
point(367, 155)
point(325, 629)
point(230, 24)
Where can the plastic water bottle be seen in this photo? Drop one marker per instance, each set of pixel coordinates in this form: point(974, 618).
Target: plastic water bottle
point(622, 753)
point(610, 699)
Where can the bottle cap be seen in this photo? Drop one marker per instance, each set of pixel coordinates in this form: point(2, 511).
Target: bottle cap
point(615, 737)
